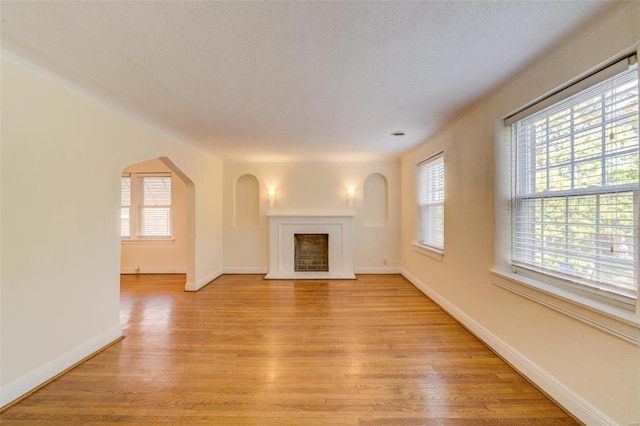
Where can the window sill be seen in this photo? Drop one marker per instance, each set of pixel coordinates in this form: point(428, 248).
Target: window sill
point(151, 241)
point(614, 320)
point(431, 252)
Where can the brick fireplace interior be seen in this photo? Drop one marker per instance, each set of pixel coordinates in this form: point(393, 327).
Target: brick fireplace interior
point(311, 252)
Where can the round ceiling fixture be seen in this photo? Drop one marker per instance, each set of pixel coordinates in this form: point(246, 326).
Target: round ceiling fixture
point(399, 133)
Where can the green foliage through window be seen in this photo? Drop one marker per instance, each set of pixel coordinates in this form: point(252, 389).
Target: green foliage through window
point(576, 173)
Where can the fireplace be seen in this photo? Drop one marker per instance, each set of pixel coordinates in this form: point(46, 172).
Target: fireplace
point(296, 247)
point(311, 252)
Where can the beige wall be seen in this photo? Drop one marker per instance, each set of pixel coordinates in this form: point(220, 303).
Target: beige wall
point(159, 256)
point(60, 258)
point(598, 370)
point(311, 188)
point(62, 157)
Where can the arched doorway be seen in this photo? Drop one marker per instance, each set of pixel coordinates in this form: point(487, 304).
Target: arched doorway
point(157, 219)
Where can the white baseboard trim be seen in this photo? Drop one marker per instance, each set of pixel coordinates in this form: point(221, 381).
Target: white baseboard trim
point(32, 380)
point(202, 281)
point(259, 270)
point(563, 395)
point(154, 270)
point(246, 270)
point(378, 270)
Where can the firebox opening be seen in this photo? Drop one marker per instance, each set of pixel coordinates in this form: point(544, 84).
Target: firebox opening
point(311, 252)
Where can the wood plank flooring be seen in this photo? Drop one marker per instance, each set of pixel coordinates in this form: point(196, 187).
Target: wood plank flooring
point(374, 351)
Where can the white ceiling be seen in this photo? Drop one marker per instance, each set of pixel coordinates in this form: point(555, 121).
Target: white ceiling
point(281, 81)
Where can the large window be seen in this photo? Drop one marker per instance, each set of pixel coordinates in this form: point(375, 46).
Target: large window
point(431, 202)
point(145, 205)
point(575, 184)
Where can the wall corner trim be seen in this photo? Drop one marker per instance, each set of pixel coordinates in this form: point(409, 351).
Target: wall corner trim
point(563, 395)
point(40, 376)
point(202, 281)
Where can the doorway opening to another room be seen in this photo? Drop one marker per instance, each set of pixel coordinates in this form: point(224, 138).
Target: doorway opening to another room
point(157, 220)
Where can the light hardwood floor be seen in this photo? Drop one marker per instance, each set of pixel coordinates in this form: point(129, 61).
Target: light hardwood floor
point(374, 351)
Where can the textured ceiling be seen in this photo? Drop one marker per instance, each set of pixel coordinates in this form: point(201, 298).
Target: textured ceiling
point(291, 80)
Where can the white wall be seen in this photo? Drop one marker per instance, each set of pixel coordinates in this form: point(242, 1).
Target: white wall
point(312, 188)
point(596, 374)
point(61, 258)
point(149, 257)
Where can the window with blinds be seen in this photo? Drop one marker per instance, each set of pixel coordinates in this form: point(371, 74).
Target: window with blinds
point(125, 206)
point(575, 203)
point(431, 202)
point(155, 206)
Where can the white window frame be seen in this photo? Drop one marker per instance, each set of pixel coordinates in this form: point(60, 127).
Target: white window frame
point(125, 204)
point(430, 206)
point(142, 207)
point(617, 316)
point(136, 210)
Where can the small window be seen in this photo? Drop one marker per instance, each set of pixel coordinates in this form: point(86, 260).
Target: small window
point(145, 206)
point(430, 197)
point(155, 206)
point(575, 190)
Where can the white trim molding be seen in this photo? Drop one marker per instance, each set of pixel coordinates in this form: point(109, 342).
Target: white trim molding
point(378, 270)
point(431, 252)
point(563, 395)
point(147, 241)
point(32, 380)
point(248, 270)
point(202, 281)
point(612, 319)
point(154, 270)
point(263, 270)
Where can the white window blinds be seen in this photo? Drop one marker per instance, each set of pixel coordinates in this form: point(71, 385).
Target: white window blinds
point(155, 208)
point(575, 205)
point(125, 206)
point(431, 202)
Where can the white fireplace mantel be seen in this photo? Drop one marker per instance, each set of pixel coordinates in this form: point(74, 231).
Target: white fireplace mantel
point(282, 229)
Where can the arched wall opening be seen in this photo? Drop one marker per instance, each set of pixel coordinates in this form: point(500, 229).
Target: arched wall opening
point(157, 219)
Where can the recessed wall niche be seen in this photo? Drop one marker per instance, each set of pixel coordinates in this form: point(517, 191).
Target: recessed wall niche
point(376, 200)
point(246, 202)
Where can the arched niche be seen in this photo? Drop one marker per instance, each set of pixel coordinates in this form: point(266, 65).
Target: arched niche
point(376, 200)
point(246, 202)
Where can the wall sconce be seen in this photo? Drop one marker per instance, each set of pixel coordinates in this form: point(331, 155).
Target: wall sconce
point(271, 194)
point(351, 193)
